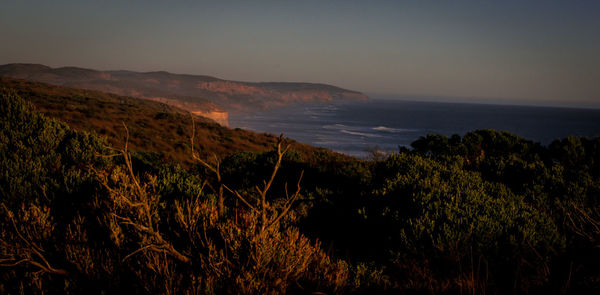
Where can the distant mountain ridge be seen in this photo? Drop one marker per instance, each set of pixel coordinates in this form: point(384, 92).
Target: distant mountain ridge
point(202, 95)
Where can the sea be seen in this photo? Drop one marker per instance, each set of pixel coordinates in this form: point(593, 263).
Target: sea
point(360, 128)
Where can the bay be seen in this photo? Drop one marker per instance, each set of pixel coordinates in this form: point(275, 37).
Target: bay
point(358, 128)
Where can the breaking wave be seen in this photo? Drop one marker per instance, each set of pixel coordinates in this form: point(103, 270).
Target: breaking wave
point(359, 133)
point(392, 130)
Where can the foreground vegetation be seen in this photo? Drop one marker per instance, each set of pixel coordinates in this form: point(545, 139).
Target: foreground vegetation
point(488, 212)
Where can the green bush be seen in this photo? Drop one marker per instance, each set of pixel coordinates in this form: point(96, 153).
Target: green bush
point(445, 214)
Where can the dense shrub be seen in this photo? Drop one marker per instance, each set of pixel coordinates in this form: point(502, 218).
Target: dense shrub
point(488, 212)
point(450, 217)
point(74, 221)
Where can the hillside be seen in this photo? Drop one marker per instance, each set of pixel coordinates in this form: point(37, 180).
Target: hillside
point(153, 126)
point(486, 213)
point(203, 95)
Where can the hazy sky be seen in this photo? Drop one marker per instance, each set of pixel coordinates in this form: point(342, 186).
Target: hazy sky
point(533, 52)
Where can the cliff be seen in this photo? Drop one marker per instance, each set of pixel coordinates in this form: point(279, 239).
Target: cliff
point(220, 117)
point(204, 95)
point(201, 109)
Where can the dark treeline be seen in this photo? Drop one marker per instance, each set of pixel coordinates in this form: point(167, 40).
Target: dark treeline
point(488, 212)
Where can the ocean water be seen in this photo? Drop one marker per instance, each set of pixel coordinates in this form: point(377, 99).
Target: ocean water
point(360, 127)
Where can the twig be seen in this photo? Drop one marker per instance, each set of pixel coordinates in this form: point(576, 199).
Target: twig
point(289, 202)
point(235, 193)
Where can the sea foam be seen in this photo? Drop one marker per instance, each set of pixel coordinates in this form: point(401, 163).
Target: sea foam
point(359, 133)
point(392, 130)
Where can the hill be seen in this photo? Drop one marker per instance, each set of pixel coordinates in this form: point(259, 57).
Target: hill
point(202, 95)
point(487, 213)
point(153, 126)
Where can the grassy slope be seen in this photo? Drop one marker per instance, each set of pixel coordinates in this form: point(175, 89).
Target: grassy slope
point(153, 126)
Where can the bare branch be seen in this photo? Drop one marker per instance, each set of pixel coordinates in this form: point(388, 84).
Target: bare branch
point(46, 267)
point(136, 251)
point(289, 202)
point(235, 193)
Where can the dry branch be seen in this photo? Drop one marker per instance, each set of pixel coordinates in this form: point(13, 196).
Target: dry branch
point(32, 250)
point(139, 205)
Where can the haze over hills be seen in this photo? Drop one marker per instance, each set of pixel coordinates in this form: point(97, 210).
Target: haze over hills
point(202, 95)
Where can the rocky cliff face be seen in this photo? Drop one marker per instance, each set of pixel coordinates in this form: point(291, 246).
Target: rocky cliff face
point(202, 95)
point(220, 117)
point(241, 96)
point(212, 112)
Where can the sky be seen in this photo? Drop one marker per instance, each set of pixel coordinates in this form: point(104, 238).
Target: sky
point(522, 52)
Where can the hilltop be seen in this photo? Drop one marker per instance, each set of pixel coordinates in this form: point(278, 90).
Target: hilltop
point(202, 95)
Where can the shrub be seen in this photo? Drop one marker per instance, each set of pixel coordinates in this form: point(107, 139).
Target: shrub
point(448, 216)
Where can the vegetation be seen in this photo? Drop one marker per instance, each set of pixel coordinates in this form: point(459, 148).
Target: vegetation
point(154, 127)
point(487, 212)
